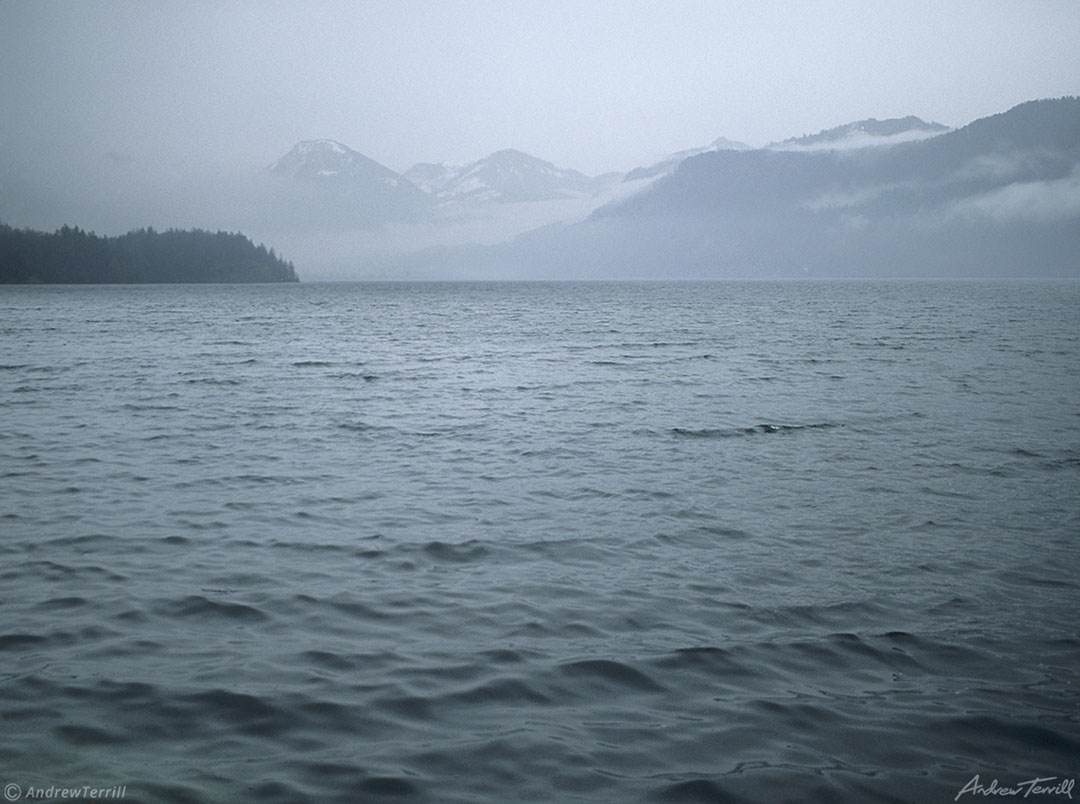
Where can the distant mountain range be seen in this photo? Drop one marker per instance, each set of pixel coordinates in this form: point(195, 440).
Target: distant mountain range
point(322, 184)
point(999, 196)
point(325, 172)
point(326, 185)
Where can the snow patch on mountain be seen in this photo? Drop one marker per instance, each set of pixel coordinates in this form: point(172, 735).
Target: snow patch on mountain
point(504, 176)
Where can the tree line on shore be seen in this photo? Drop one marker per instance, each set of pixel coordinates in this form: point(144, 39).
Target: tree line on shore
point(71, 255)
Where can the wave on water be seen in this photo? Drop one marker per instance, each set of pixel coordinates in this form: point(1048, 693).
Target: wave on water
point(757, 429)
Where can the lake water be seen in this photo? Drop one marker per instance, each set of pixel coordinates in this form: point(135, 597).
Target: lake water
point(738, 542)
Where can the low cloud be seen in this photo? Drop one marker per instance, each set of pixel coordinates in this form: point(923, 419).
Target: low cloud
point(1048, 201)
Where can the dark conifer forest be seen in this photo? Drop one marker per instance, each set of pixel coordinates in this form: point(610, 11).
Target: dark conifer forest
point(73, 256)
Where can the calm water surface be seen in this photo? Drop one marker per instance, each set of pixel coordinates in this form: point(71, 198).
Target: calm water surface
point(746, 542)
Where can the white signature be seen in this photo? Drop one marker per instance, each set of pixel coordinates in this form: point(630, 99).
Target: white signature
point(1044, 786)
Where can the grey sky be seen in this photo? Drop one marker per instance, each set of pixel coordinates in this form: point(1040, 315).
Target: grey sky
point(594, 86)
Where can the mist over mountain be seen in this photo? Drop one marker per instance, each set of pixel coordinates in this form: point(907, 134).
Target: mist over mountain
point(999, 196)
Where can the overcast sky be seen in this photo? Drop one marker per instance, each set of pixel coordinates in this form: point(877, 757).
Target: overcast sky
point(587, 84)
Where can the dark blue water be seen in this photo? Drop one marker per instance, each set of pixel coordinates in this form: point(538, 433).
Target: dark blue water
point(740, 542)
